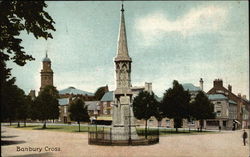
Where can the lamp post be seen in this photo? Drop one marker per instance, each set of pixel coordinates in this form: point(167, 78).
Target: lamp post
point(95, 113)
point(129, 139)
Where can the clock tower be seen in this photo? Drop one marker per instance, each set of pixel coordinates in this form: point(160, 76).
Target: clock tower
point(46, 73)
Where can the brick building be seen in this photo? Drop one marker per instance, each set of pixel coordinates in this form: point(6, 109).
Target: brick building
point(242, 103)
point(64, 104)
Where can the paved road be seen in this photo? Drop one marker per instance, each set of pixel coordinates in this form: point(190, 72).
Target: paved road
point(226, 144)
point(75, 124)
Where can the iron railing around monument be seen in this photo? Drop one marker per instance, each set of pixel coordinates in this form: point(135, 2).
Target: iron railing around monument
point(105, 136)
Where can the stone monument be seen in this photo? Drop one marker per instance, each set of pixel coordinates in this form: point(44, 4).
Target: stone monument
point(123, 126)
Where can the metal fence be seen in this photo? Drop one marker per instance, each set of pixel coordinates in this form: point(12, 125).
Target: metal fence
point(105, 136)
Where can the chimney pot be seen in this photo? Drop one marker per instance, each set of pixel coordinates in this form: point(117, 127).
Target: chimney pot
point(201, 83)
point(239, 95)
point(230, 88)
point(218, 83)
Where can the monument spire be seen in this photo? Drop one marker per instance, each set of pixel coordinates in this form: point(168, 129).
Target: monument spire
point(122, 48)
point(123, 117)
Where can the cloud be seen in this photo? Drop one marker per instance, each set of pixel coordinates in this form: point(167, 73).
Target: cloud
point(197, 20)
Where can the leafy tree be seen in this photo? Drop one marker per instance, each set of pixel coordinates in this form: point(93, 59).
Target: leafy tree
point(175, 104)
point(7, 92)
point(46, 104)
point(78, 112)
point(100, 92)
point(8, 101)
point(159, 114)
point(145, 106)
point(21, 106)
point(17, 16)
point(27, 108)
point(201, 108)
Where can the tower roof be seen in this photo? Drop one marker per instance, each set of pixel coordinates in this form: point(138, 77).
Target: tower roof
point(46, 58)
point(122, 48)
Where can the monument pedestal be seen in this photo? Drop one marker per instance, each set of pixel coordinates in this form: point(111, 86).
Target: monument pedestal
point(123, 126)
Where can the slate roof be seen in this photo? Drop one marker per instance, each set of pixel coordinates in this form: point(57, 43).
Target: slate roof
point(63, 101)
point(190, 87)
point(108, 96)
point(46, 59)
point(92, 105)
point(73, 90)
point(216, 97)
point(159, 99)
point(232, 102)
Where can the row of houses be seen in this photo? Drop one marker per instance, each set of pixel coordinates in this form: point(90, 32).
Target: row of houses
point(232, 111)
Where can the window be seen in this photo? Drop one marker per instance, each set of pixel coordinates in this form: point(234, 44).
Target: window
point(219, 91)
point(218, 113)
point(224, 123)
point(218, 107)
point(168, 123)
point(65, 109)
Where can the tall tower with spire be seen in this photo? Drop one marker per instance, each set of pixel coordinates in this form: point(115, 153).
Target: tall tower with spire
point(46, 73)
point(123, 117)
point(122, 61)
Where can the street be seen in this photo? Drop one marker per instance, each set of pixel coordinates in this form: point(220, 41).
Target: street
point(19, 142)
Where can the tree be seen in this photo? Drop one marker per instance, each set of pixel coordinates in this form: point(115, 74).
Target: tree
point(100, 92)
point(175, 104)
point(21, 106)
point(17, 16)
point(27, 108)
point(145, 106)
point(159, 114)
point(46, 104)
point(201, 108)
point(78, 112)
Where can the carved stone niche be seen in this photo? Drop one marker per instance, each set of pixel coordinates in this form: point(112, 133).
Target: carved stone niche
point(124, 100)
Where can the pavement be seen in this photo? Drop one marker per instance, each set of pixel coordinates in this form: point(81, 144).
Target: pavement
point(41, 143)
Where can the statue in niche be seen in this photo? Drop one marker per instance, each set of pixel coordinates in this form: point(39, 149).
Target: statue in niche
point(123, 75)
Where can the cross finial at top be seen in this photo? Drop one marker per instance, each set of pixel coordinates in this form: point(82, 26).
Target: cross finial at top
point(122, 7)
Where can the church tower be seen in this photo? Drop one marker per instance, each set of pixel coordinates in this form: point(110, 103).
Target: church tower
point(123, 117)
point(46, 73)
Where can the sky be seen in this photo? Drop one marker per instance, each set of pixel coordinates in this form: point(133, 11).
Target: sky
point(167, 40)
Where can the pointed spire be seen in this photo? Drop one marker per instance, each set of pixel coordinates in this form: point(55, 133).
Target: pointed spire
point(122, 48)
point(122, 7)
point(46, 58)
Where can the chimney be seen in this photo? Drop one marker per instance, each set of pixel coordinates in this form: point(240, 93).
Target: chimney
point(244, 96)
point(106, 88)
point(201, 84)
point(230, 88)
point(148, 87)
point(32, 94)
point(239, 95)
point(218, 83)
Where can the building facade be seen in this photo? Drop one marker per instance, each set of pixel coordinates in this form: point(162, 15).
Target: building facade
point(64, 104)
point(225, 112)
point(233, 100)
